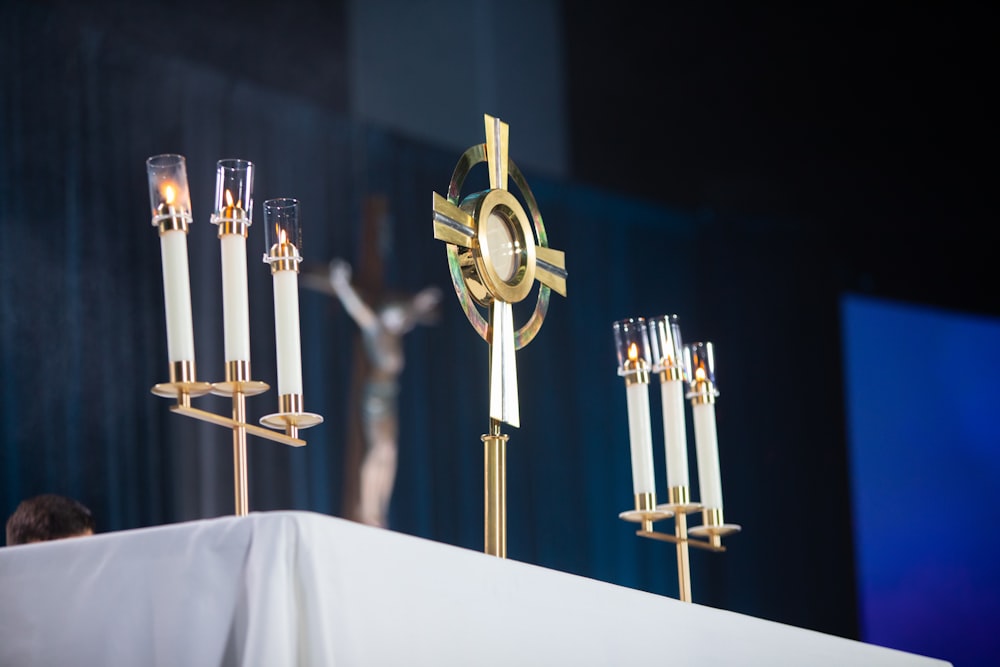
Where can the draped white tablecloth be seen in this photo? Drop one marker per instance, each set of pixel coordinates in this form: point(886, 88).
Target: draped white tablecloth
point(298, 588)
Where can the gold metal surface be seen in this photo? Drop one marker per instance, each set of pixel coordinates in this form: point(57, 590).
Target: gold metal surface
point(550, 268)
point(231, 226)
point(679, 495)
point(172, 224)
point(183, 384)
point(670, 373)
point(291, 417)
point(285, 257)
point(645, 512)
point(495, 491)
point(242, 499)
point(679, 501)
point(238, 371)
point(290, 403)
point(636, 372)
point(713, 526)
point(219, 420)
point(506, 206)
point(704, 392)
point(457, 247)
point(182, 371)
point(238, 380)
point(672, 539)
point(479, 280)
point(452, 224)
point(683, 560)
point(711, 517)
point(645, 501)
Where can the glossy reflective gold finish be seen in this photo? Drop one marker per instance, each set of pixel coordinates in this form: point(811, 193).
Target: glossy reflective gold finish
point(495, 492)
point(550, 267)
point(452, 224)
point(233, 226)
point(238, 380)
point(646, 512)
point(290, 416)
point(172, 224)
point(636, 372)
point(242, 497)
point(219, 420)
point(496, 249)
point(704, 393)
point(183, 385)
point(285, 257)
point(714, 526)
point(679, 505)
point(670, 373)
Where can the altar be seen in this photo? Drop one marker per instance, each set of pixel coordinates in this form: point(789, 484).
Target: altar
point(300, 588)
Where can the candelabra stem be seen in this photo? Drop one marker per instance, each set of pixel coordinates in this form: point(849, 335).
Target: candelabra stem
point(495, 491)
point(683, 563)
point(240, 454)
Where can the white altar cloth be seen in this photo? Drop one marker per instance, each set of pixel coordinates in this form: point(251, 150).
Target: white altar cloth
point(298, 588)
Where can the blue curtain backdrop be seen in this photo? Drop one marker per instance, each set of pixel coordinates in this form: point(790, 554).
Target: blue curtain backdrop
point(82, 333)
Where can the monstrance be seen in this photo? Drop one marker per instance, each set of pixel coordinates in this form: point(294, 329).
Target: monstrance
point(494, 259)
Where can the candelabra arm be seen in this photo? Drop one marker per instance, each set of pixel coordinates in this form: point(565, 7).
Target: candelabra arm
point(252, 429)
point(667, 537)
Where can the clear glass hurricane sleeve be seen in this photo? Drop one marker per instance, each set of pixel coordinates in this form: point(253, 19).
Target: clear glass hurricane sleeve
point(632, 347)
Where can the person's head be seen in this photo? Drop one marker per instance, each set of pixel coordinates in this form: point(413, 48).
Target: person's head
point(48, 517)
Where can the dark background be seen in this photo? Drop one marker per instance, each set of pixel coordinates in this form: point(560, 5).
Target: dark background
point(742, 167)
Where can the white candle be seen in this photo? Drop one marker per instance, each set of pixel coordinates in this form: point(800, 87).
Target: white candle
point(235, 303)
point(707, 448)
point(640, 437)
point(674, 432)
point(177, 295)
point(286, 332)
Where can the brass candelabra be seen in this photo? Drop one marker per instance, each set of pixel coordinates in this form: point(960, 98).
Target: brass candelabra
point(171, 210)
point(638, 343)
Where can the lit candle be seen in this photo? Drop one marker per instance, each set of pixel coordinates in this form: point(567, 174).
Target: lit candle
point(700, 366)
point(668, 353)
point(171, 208)
point(281, 218)
point(233, 217)
point(633, 358)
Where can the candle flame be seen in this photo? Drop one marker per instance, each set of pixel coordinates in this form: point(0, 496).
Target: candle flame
point(281, 235)
point(633, 352)
point(699, 374)
point(229, 198)
point(169, 192)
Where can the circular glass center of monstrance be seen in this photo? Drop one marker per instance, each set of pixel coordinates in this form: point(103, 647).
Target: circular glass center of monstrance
point(505, 251)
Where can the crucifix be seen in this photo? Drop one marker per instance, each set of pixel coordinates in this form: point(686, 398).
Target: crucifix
point(494, 260)
point(383, 318)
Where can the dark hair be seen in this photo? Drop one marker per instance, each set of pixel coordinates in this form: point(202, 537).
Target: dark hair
point(48, 517)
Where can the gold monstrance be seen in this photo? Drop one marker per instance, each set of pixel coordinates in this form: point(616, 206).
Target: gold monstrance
point(494, 259)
